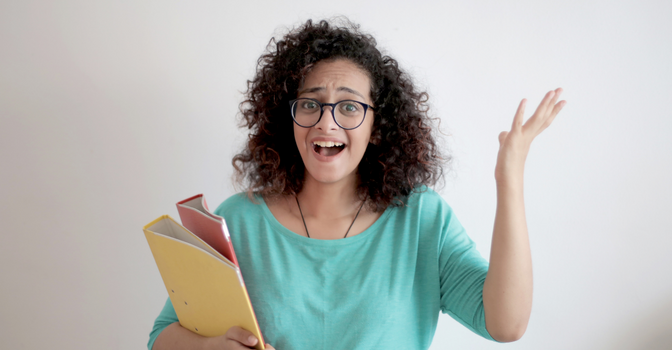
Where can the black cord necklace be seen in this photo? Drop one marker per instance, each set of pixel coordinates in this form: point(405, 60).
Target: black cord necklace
point(304, 220)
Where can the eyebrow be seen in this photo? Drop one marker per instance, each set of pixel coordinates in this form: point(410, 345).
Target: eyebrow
point(321, 88)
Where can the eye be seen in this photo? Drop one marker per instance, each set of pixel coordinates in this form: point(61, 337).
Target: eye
point(349, 107)
point(308, 104)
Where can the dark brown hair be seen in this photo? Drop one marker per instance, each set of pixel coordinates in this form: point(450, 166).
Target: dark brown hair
point(403, 154)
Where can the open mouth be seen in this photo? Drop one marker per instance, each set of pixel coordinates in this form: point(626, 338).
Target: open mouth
point(328, 148)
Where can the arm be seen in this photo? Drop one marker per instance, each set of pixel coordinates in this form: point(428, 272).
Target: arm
point(177, 337)
point(507, 293)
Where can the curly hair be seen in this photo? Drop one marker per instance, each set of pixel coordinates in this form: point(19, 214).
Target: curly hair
point(403, 154)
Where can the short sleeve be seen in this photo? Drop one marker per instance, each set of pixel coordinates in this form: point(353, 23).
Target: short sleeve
point(165, 318)
point(462, 272)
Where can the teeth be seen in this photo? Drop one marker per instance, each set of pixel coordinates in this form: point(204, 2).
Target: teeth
point(328, 143)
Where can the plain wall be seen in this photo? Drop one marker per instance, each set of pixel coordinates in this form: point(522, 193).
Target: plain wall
point(112, 111)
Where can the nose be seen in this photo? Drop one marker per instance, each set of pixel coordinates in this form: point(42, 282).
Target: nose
point(327, 121)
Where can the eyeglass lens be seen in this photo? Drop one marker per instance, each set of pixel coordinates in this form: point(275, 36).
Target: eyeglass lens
point(348, 114)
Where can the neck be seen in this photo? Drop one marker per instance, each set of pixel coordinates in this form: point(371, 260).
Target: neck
point(330, 200)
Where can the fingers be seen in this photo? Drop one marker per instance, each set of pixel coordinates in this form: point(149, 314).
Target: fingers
point(552, 110)
point(518, 118)
point(242, 336)
point(537, 119)
point(269, 347)
point(556, 109)
point(546, 112)
point(502, 137)
point(543, 106)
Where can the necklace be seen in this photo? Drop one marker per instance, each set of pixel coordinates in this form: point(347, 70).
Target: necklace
point(306, 227)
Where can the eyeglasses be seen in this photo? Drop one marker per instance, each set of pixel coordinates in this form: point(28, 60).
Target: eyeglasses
point(348, 114)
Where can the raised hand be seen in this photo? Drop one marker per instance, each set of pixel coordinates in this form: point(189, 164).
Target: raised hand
point(514, 145)
point(507, 293)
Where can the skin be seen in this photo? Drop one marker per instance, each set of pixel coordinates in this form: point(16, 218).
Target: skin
point(329, 204)
point(177, 337)
point(328, 199)
point(507, 293)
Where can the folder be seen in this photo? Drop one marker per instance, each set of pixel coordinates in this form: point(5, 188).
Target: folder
point(198, 219)
point(205, 288)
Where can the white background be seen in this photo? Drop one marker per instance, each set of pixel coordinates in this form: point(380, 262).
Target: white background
point(112, 111)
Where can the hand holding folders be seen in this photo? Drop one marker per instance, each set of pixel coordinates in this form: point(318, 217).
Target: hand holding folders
point(200, 270)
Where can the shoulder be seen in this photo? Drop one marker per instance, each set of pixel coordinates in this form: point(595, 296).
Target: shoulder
point(425, 201)
point(432, 213)
point(237, 204)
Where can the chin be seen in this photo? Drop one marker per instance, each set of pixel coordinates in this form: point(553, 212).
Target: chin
point(329, 176)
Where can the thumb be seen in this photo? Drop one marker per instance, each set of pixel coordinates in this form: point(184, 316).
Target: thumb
point(242, 336)
point(502, 137)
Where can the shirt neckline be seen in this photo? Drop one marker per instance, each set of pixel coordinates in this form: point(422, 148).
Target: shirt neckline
point(369, 232)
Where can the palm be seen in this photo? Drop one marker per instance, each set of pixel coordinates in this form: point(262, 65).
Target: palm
point(515, 144)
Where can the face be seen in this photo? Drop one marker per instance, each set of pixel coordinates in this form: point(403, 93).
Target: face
point(330, 82)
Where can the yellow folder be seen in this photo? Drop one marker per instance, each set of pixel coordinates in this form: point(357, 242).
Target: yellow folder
point(206, 289)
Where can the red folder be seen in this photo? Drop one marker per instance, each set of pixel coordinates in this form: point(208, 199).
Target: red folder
point(211, 228)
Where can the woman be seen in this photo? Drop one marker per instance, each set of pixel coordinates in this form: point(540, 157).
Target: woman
point(341, 242)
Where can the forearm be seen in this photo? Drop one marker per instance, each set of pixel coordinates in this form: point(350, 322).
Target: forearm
point(176, 337)
point(507, 293)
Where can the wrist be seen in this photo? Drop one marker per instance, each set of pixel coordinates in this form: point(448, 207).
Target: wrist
point(509, 178)
point(208, 344)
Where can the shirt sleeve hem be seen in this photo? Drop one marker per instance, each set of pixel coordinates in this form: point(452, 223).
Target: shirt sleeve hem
point(482, 331)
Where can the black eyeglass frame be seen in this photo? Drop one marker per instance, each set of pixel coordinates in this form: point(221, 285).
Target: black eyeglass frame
point(333, 113)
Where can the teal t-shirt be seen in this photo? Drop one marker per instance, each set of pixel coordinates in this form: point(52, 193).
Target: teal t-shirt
point(382, 288)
